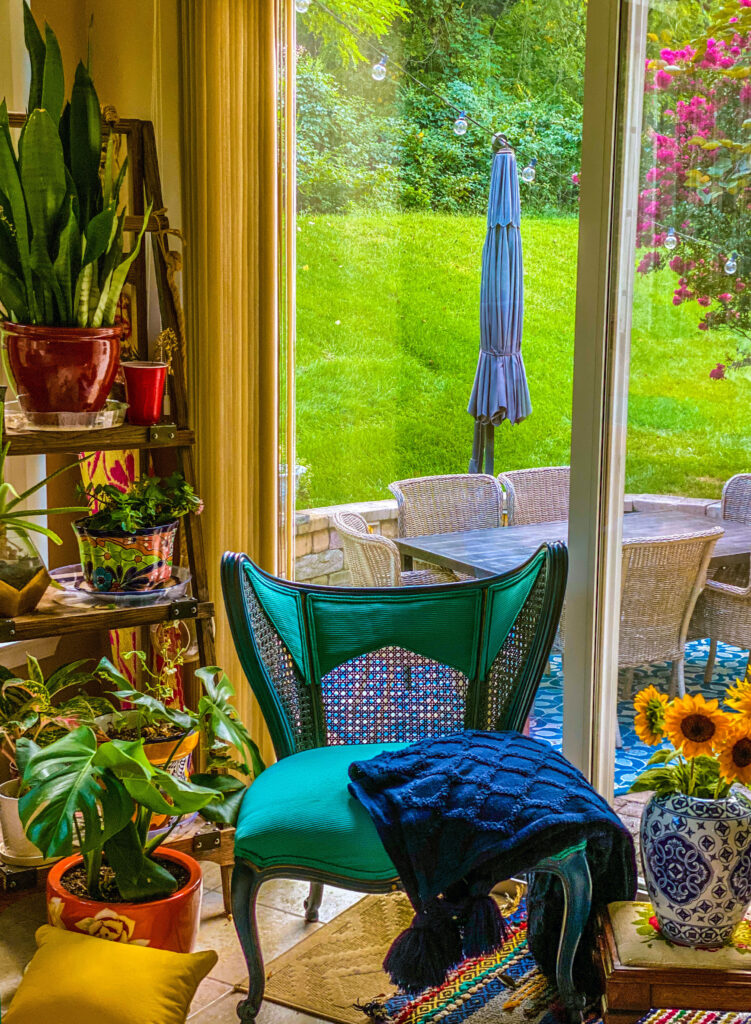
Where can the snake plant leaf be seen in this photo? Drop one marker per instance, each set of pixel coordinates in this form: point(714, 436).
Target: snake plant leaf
point(36, 49)
point(99, 235)
point(10, 184)
point(42, 173)
point(8, 247)
point(53, 79)
point(63, 780)
point(13, 295)
point(67, 263)
point(114, 253)
point(107, 306)
point(136, 875)
point(85, 144)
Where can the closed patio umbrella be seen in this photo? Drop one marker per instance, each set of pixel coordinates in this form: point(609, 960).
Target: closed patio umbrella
point(500, 390)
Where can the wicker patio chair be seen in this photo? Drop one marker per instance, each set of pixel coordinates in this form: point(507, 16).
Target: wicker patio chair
point(536, 495)
point(478, 650)
point(374, 561)
point(447, 504)
point(723, 612)
point(660, 583)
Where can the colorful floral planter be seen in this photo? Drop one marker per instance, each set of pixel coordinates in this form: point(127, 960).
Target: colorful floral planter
point(62, 369)
point(127, 561)
point(697, 865)
point(180, 755)
point(171, 923)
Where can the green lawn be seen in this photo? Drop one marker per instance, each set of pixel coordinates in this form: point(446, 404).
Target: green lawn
point(387, 344)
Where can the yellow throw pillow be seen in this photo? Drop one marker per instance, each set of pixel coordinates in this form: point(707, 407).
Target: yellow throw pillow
point(77, 979)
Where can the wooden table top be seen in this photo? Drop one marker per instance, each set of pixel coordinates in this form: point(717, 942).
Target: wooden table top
point(485, 553)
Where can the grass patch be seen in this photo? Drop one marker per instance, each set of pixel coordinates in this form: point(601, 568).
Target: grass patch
point(388, 333)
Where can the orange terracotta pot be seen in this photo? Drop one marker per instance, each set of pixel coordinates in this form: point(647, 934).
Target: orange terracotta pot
point(171, 923)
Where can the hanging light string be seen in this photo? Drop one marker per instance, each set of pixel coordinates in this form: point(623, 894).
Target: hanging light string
point(377, 51)
point(732, 258)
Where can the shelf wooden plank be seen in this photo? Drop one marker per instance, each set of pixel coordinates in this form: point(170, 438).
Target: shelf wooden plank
point(54, 619)
point(42, 442)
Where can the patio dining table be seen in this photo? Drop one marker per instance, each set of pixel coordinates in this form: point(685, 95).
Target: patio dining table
point(483, 553)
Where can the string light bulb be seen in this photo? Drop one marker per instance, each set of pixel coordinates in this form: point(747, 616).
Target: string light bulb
point(671, 240)
point(302, 6)
point(732, 263)
point(529, 173)
point(461, 124)
point(378, 71)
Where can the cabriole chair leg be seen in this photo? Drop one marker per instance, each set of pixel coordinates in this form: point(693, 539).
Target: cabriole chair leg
point(246, 882)
point(709, 667)
point(313, 902)
point(572, 869)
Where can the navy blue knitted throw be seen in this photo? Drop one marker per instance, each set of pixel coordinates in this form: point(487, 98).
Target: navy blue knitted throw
point(458, 814)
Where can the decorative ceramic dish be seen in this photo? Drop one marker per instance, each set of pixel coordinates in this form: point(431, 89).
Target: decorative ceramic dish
point(18, 419)
point(73, 587)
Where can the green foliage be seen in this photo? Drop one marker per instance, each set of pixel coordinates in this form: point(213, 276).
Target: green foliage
point(61, 235)
point(337, 37)
point(103, 795)
point(669, 772)
point(150, 501)
point(45, 709)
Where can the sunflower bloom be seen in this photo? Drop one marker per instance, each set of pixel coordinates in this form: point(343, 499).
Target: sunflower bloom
point(695, 725)
point(649, 723)
point(739, 696)
point(735, 754)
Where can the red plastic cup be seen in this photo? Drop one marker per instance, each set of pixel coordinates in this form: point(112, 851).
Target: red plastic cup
point(144, 384)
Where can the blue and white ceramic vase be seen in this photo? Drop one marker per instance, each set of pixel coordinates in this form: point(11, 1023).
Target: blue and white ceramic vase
point(697, 865)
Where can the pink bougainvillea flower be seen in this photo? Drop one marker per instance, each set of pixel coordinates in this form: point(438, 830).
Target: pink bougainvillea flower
point(663, 79)
point(725, 297)
point(704, 300)
point(718, 373)
point(575, 178)
point(740, 286)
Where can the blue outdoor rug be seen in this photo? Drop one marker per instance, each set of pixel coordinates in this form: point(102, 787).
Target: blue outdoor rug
point(547, 714)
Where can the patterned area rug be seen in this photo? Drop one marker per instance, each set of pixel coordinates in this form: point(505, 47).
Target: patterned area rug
point(547, 714)
point(336, 974)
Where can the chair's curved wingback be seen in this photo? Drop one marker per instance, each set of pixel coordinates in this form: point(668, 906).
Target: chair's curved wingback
point(335, 665)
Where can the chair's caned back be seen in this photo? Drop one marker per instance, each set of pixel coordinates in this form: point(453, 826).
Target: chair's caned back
point(736, 498)
point(373, 561)
point(660, 583)
point(447, 504)
point(333, 665)
point(536, 495)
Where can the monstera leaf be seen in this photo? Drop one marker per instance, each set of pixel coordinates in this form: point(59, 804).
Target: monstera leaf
point(68, 779)
point(221, 721)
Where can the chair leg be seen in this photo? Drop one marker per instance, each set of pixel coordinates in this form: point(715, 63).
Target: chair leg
point(245, 885)
point(709, 667)
point(679, 672)
point(226, 873)
point(313, 902)
point(572, 869)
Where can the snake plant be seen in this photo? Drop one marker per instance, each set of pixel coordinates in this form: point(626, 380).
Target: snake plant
point(61, 227)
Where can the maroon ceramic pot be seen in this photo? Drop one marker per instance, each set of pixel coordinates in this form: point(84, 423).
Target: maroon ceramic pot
point(62, 369)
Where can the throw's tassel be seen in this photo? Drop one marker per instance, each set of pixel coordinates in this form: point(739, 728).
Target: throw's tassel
point(484, 927)
point(420, 957)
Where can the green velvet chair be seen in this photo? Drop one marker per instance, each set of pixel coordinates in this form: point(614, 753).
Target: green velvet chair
point(341, 674)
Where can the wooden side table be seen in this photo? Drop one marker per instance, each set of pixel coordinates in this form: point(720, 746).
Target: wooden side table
point(640, 970)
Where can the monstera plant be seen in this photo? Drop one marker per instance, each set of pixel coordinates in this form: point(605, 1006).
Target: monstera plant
point(62, 262)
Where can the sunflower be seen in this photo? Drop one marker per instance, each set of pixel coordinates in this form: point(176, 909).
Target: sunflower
point(735, 753)
point(649, 723)
point(739, 696)
point(696, 726)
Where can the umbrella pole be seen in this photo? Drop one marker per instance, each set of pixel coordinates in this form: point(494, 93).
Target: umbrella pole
point(490, 449)
point(478, 445)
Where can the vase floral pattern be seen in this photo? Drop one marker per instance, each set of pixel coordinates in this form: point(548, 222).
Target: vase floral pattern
point(138, 561)
point(696, 855)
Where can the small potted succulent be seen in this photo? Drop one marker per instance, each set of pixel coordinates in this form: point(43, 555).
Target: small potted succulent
point(23, 574)
point(62, 264)
point(123, 883)
point(696, 828)
point(42, 710)
point(127, 544)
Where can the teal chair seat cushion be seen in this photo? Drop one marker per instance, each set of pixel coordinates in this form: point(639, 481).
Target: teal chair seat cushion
point(299, 813)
